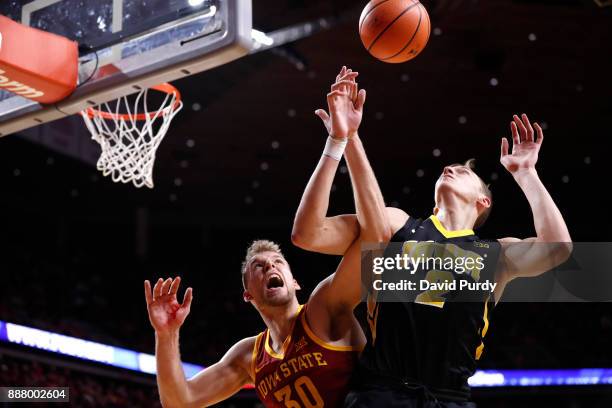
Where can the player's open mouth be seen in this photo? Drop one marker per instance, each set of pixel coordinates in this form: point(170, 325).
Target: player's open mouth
point(274, 281)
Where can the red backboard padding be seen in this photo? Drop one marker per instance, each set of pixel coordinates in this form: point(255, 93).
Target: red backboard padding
point(35, 64)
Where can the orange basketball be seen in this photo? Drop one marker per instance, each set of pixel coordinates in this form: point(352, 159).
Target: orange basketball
point(394, 30)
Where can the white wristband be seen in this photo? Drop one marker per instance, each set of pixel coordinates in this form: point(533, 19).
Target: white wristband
point(334, 147)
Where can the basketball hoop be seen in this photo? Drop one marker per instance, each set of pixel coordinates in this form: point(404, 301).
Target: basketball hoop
point(129, 134)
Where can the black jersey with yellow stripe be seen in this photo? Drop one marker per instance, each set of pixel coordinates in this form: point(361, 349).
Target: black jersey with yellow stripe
point(429, 344)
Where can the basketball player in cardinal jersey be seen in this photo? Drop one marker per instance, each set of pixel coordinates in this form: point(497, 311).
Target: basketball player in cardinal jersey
point(305, 356)
point(421, 353)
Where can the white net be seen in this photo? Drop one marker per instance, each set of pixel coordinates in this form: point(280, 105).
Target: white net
point(129, 135)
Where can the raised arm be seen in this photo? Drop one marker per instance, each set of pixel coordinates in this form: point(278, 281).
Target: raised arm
point(331, 304)
point(346, 109)
point(552, 244)
point(313, 230)
point(211, 385)
point(376, 221)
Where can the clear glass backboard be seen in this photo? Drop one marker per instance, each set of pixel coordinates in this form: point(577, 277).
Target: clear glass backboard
point(128, 45)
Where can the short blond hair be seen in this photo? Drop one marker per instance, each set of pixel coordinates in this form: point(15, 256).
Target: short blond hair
point(257, 247)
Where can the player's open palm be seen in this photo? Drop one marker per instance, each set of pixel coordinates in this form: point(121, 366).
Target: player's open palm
point(345, 103)
point(165, 312)
point(525, 148)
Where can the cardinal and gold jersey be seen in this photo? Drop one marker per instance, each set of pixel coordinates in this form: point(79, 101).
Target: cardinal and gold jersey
point(308, 372)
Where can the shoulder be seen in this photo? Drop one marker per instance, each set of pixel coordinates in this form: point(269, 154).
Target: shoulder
point(339, 331)
point(397, 218)
point(241, 355)
point(241, 351)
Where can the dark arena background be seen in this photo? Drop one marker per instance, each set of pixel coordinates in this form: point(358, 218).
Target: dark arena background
point(76, 247)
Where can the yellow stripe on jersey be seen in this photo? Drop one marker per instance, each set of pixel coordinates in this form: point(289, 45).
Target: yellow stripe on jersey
point(485, 317)
point(447, 233)
point(254, 356)
point(287, 341)
point(322, 343)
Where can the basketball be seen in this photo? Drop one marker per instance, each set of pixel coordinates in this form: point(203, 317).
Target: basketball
point(394, 31)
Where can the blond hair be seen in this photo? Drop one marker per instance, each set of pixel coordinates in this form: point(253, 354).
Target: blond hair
point(257, 247)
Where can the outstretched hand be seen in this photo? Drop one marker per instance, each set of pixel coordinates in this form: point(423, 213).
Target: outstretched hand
point(166, 314)
point(345, 103)
point(525, 148)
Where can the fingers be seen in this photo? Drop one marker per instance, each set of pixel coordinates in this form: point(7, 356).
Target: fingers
point(157, 288)
point(361, 98)
point(515, 135)
point(331, 95)
point(354, 89)
point(344, 83)
point(528, 126)
point(340, 85)
point(349, 78)
point(187, 298)
point(166, 286)
point(322, 114)
point(175, 285)
point(540, 133)
point(342, 72)
point(346, 73)
point(504, 147)
point(162, 287)
point(521, 127)
point(148, 294)
point(350, 75)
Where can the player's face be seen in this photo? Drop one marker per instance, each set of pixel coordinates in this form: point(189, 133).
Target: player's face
point(269, 281)
point(459, 180)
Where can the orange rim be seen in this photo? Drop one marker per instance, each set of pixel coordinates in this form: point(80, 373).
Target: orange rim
point(165, 87)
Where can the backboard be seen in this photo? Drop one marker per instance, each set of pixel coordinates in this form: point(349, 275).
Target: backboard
point(128, 45)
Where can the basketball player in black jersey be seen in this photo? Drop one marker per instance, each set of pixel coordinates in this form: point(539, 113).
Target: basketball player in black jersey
point(421, 354)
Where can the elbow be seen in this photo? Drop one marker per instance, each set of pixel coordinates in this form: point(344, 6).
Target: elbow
point(378, 234)
point(305, 234)
point(564, 251)
point(178, 400)
point(388, 234)
point(167, 403)
point(178, 404)
point(383, 237)
point(300, 240)
point(559, 247)
point(560, 251)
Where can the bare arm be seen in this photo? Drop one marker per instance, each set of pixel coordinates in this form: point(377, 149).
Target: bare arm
point(552, 244)
point(331, 304)
point(211, 385)
point(372, 215)
point(312, 229)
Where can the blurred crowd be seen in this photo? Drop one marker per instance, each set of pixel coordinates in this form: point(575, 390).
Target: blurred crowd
point(86, 390)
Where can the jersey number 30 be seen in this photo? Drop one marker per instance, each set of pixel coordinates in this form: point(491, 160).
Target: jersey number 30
point(306, 392)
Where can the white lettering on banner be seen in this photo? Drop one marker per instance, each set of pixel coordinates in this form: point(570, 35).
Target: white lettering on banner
point(18, 87)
